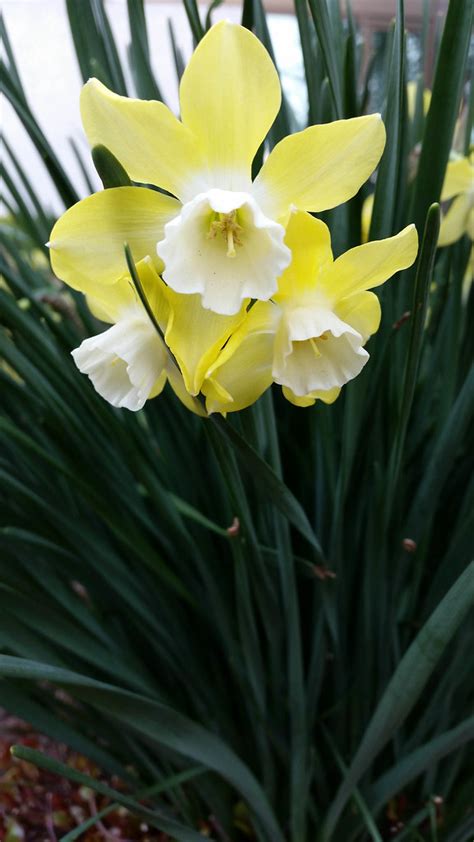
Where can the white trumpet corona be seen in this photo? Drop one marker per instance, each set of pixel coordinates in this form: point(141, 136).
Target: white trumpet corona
point(126, 363)
point(223, 247)
point(316, 351)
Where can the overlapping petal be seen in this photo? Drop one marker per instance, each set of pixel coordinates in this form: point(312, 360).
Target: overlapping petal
point(115, 301)
point(196, 336)
point(309, 241)
point(361, 311)
point(87, 241)
point(243, 370)
point(230, 95)
point(320, 167)
point(308, 400)
point(149, 141)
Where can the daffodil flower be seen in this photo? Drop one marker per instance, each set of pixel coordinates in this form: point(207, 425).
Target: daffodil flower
point(219, 235)
point(129, 362)
point(328, 313)
point(458, 186)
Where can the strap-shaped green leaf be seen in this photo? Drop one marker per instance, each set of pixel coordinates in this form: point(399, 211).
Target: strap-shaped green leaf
point(405, 686)
point(265, 478)
point(419, 761)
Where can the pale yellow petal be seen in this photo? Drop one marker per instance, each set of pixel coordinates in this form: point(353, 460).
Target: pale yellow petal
point(230, 95)
point(107, 303)
point(320, 167)
point(309, 400)
point(177, 384)
point(243, 370)
point(196, 336)
point(371, 264)
point(87, 242)
point(459, 178)
point(148, 140)
point(454, 224)
point(362, 312)
point(114, 302)
point(309, 241)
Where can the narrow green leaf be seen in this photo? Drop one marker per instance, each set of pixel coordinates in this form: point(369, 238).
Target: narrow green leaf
point(324, 29)
point(110, 170)
point(419, 307)
point(213, 5)
point(405, 687)
point(192, 12)
point(418, 761)
point(179, 62)
point(190, 512)
point(309, 58)
point(443, 451)
point(139, 53)
point(386, 199)
point(268, 482)
point(16, 98)
point(444, 108)
point(156, 789)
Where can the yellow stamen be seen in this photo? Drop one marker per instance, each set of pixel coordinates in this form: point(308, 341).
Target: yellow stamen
point(315, 348)
point(230, 243)
point(230, 229)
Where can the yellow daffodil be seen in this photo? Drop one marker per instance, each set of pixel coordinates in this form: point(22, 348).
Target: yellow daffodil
point(129, 363)
point(458, 186)
point(328, 313)
point(219, 235)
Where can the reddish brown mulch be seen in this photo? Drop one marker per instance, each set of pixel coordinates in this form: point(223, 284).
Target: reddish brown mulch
point(37, 806)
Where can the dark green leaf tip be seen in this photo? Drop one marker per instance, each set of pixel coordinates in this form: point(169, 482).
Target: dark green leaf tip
point(109, 168)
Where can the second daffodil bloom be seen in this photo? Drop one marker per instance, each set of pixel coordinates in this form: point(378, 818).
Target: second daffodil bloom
point(129, 363)
point(327, 310)
point(458, 186)
point(218, 235)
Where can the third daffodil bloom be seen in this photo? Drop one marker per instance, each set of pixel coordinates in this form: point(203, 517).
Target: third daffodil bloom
point(218, 235)
point(328, 313)
point(458, 186)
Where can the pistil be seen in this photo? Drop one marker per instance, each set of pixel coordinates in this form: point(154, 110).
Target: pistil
point(227, 225)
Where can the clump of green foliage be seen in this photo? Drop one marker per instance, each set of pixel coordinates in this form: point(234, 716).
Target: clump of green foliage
point(291, 676)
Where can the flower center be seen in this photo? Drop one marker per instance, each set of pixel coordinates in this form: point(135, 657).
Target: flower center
point(313, 343)
point(227, 225)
